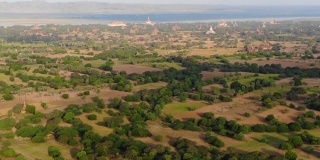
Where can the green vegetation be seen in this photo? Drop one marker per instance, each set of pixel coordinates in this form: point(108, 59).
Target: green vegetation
point(180, 107)
point(79, 107)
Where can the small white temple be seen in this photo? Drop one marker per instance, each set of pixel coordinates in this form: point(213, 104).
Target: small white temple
point(149, 22)
point(211, 31)
point(222, 24)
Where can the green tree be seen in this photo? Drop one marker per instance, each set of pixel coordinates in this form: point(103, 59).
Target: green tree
point(54, 151)
point(296, 141)
point(290, 155)
point(286, 146)
point(68, 116)
point(309, 149)
point(31, 109)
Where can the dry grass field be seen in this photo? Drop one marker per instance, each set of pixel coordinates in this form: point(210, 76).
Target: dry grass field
point(213, 51)
point(284, 62)
point(133, 68)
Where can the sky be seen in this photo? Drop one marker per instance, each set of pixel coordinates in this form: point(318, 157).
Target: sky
point(223, 2)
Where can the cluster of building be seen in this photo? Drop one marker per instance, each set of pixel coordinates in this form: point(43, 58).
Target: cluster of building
point(264, 46)
point(122, 24)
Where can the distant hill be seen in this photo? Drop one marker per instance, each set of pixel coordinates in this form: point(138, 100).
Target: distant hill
point(99, 8)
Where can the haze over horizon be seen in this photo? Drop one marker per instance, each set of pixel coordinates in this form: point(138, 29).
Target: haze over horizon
point(213, 2)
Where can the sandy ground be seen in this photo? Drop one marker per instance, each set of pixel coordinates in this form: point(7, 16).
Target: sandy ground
point(235, 111)
point(55, 101)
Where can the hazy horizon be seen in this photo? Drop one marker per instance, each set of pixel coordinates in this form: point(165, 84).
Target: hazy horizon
point(213, 2)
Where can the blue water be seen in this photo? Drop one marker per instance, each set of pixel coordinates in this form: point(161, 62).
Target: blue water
point(222, 12)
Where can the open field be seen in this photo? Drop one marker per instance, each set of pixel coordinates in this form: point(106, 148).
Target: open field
point(246, 79)
point(284, 62)
point(215, 51)
point(167, 65)
point(133, 68)
point(101, 130)
point(182, 107)
point(40, 150)
point(149, 86)
point(139, 48)
point(55, 101)
point(217, 73)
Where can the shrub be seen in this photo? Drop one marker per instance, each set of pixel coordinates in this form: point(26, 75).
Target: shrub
point(158, 138)
point(92, 117)
point(8, 97)
point(296, 141)
point(68, 116)
point(309, 149)
point(286, 146)
point(54, 151)
point(290, 155)
point(9, 135)
point(44, 105)
point(8, 152)
point(247, 114)
point(301, 108)
point(65, 96)
point(270, 117)
point(11, 78)
point(38, 139)
point(86, 93)
point(7, 123)
point(73, 142)
point(20, 157)
point(285, 111)
point(17, 108)
point(31, 109)
point(239, 137)
point(292, 105)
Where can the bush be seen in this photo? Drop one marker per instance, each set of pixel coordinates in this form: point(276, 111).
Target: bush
point(17, 108)
point(54, 151)
point(8, 97)
point(247, 114)
point(7, 123)
point(8, 152)
point(73, 142)
point(286, 146)
point(20, 157)
point(290, 155)
point(44, 105)
point(65, 96)
point(68, 116)
point(270, 117)
point(239, 137)
point(31, 109)
point(292, 105)
point(309, 149)
point(9, 135)
point(296, 141)
point(38, 139)
point(92, 117)
point(158, 138)
point(11, 78)
point(301, 108)
point(86, 93)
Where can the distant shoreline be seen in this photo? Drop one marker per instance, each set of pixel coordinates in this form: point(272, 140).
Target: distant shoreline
point(78, 21)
